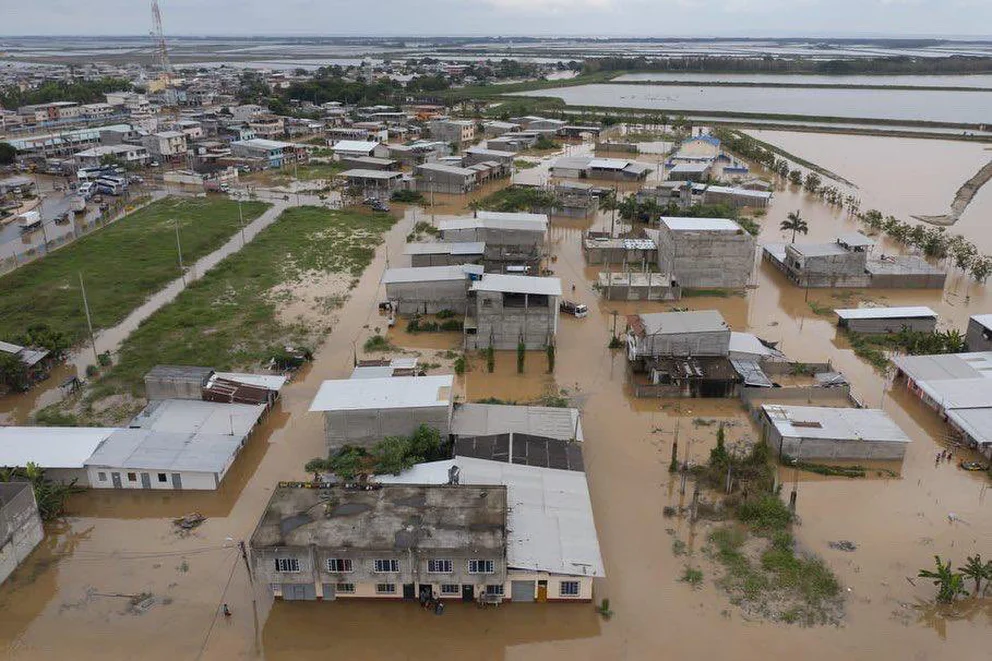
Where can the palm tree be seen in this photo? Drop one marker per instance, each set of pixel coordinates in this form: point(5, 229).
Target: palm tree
point(795, 223)
point(977, 571)
point(949, 584)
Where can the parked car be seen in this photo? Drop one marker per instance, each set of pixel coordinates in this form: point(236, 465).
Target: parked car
point(86, 190)
point(575, 309)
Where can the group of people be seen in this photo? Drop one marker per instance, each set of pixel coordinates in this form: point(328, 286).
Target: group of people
point(944, 455)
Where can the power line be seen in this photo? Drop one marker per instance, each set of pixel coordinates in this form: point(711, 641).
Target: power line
point(213, 622)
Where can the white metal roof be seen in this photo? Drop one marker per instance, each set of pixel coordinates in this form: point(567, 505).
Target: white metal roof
point(362, 173)
point(550, 523)
point(976, 423)
point(855, 239)
point(147, 449)
point(743, 192)
point(747, 345)
point(429, 273)
point(691, 167)
point(191, 416)
point(535, 222)
point(946, 366)
point(466, 248)
point(909, 312)
point(518, 284)
point(396, 392)
point(609, 163)
point(983, 320)
point(488, 419)
point(50, 447)
point(680, 224)
point(446, 169)
point(355, 145)
point(827, 423)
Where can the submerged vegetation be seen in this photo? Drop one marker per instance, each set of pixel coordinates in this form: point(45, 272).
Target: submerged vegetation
point(872, 347)
point(50, 495)
point(517, 198)
point(392, 455)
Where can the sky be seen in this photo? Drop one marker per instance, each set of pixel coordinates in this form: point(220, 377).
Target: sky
point(940, 18)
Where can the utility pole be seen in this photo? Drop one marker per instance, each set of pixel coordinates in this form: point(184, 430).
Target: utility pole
point(241, 218)
point(616, 202)
point(89, 320)
point(179, 249)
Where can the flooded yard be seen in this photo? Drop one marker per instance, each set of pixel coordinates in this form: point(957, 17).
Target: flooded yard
point(123, 544)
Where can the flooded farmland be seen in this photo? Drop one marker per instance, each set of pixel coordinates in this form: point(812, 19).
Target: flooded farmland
point(72, 597)
point(904, 105)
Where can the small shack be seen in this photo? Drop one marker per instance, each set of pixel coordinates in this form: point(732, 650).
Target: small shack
point(887, 320)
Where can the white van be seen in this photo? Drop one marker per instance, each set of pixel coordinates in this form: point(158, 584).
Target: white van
point(577, 310)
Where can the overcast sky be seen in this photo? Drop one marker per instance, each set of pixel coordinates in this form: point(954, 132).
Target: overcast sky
point(502, 17)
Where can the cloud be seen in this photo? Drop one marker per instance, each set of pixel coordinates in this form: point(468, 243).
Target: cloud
point(549, 6)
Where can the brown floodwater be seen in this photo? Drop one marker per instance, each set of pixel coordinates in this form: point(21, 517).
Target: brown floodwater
point(58, 605)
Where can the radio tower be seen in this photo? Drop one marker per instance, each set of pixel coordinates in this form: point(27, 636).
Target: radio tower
point(161, 50)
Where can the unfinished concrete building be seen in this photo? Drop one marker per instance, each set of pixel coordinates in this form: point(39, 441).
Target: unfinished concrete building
point(693, 333)
point(979, 333)
point(633, 286)
point(704, 253)
point(601, 248)
point(430, 289)
point(398, 541)
point(20, 525)
point(847, 263)
point(445, 254)
point(512, 239)
point(362, 412)
point(507, 310)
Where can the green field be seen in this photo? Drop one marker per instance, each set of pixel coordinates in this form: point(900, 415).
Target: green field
point(122, 265)
point(227, 319)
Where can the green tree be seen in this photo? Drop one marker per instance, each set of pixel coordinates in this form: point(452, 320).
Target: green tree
point(7, 153)
point(950, 584)
point(13, 372)
point(796, 177)
point(794, 223)
point(52, 496)
point(521, 355)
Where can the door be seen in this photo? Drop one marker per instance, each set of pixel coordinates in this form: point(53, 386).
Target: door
point(468, 592)
point(294, 592)
point(116, 479)
point(409, 591)
point(327, 589)
point(522, 591)
point(542, 591)
point(177, 481)
point(146, 481)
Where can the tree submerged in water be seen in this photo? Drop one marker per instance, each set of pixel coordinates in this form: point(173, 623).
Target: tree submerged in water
point(52, 496)
point(950, 584)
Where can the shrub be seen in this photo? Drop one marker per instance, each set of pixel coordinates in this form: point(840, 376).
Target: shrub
point(377, 343)
point(460, 365)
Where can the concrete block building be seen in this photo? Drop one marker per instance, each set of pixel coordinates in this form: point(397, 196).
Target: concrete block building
point(813, 432)
point(511, 238)
point(459, 131)
point(395, 541)
point(444, 178)
point(699, 333)
point(362, 412)
point(430, 289)
point(979, 334)
point(445, 254)
point(887, 320)
point(506, 310)
point(705, 253)
point(20, 525)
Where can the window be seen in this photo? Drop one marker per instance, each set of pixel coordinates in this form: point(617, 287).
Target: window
point(568, 589)
point(162, 477)
point(494, 590)
point(345, 588)
point(480, 567)
point(386, 566)
point(132, 477)
point(101, 476)
point(439, 566)
point(339, 565)
point(385, 588)
point(450, 588)
point(287, 565)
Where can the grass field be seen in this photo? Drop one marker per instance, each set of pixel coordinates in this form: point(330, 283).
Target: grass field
point(228, 318)
point(121, 265)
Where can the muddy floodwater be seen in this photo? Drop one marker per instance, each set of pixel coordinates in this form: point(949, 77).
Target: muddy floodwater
point(73, 597)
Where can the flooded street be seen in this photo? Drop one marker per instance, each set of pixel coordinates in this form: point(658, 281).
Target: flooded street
point(72, 597)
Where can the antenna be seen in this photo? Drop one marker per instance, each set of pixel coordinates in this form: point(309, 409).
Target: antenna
point(161, 49)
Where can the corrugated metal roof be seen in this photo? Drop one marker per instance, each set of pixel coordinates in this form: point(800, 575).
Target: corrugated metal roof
point(487, 419)
point(872, 425)
point(550, 523)
point(428, 273)
point(191, 416)
point(355, 145)
point(983, 320)
point(50, 447)
point(609, 163)
point(146, 449)
point(518, 284)
point(976, 423)
point(909, 312)
point(268, 381)
point(855, 240)
point(680, 224)
point(516, 222)
point(946, 366)
point(361, 173)
point(693, 321)
point(397, 392)
point(466, 248)
point(752, 373)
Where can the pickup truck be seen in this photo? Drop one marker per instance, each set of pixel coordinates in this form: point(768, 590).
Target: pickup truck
point(575, 309)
